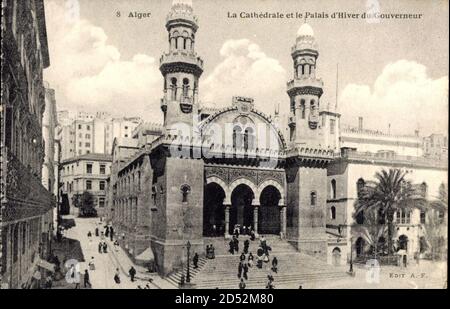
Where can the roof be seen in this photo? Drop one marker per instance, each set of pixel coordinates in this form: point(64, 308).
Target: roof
point(90, 157)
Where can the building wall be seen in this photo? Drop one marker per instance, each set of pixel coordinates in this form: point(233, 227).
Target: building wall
point(24, 200)
point(74, 179)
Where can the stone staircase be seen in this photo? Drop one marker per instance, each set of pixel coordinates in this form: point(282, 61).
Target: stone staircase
point(175, 277)
point(294, 268)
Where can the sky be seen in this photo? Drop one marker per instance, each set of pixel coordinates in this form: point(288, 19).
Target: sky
point(390, 72)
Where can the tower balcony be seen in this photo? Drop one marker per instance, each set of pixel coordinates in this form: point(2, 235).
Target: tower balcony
point(305, 85)
point(177, 60)
point(181, 56)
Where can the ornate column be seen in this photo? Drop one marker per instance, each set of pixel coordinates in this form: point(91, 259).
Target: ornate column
point(283, 221)
point(255, 218)
point(227, 220)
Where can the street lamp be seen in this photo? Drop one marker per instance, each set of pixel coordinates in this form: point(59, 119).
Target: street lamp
point(351, 256)
point(188, 273)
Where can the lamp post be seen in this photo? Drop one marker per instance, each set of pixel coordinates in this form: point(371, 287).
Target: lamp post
point(188, 273)
point(351, 256)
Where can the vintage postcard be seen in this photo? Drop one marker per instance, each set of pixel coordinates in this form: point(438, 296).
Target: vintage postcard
point(210, 144)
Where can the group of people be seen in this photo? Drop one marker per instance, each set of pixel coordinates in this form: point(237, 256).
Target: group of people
point(244, 230)
point(246, 261)
point(210, 251)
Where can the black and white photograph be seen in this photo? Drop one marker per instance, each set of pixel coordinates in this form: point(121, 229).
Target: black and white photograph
point(224, 145)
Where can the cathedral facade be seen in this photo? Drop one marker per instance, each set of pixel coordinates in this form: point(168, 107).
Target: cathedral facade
point(207, 170)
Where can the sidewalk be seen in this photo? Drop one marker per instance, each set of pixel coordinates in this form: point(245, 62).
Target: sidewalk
point(124, 263)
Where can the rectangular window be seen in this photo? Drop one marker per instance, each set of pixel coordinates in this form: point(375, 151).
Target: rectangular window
point(87, 144)
point(79, 144)
point(101, 202)
point(422, 217)
point(332, 124)
point(102, 169)
point(87, 135)
point(88, 128)
point(88, 184)
point(89, 168)
point(102, 185)
point(79, 126)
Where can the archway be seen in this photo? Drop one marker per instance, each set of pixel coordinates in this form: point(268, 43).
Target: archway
point(336, 256)
point(213, 210)
point(269, 211)
point(403, 242)
point(241, 211)
point(360, 246)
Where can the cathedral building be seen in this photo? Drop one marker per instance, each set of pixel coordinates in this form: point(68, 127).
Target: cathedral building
point(207, 170)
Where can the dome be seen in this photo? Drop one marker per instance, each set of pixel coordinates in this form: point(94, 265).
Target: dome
point(305, 30)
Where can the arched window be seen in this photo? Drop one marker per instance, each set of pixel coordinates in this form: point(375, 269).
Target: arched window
point(424, 188)
point(237, 137)
point(360, 184)
point(333, 213)
point(185, 190)
point(249, 139)
point(313, 107)
point(173, 86)
point(313, 198)
point(302, 108)
point(333, 188)
point(185, 87)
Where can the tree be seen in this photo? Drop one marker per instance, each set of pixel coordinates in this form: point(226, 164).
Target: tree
point(372, 230)
point(388, 194)
point(436, 224)
point(85, 203)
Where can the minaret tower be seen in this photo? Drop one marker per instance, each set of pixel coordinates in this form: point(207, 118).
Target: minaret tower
point(305, 91)
point(181, 68)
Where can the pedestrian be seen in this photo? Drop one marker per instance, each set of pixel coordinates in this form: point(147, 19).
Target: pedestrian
point(274, 264)
point(246, 246)
point(236, 244)
point(117, 276)
point(105, 247)
point(102, 235)
point(231, 244)
point(242, 257)
point(250, 259)
point(132, 273)
point(252, 235)
point(106, 231)
point(195, 260)
point(100, 247)
point(86, 279)
point(263, 244)
point(240, 269)
point(96, 231)
point(116, 245)
point(89, 235)
point(213, 254)
point(244, 230)
point(111, 233)
point(245, 269)
point(242, 284)
point(92, 264)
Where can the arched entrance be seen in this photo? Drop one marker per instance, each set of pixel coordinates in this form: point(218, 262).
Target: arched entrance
point(403, 242)
point(213, 210)
point(269, 211)
point(241, 211)
point(360, 246)
point(336, 256)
